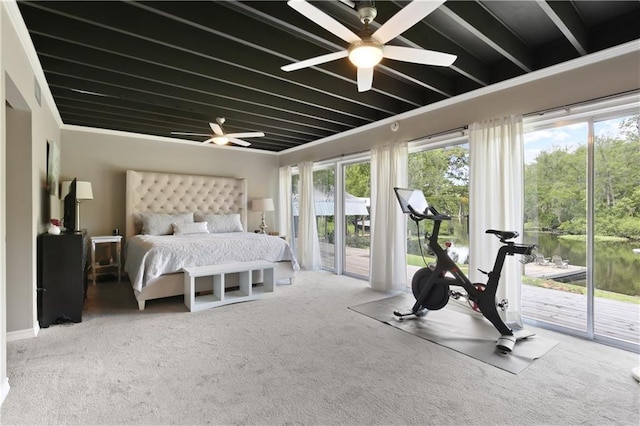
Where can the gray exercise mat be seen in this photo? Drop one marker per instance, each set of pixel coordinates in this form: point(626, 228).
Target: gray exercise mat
point(458, 328)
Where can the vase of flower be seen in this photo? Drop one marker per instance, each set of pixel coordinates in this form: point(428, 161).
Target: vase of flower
point(54, 227)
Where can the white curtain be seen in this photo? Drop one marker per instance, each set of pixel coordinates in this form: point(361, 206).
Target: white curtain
point(388, 257)
point(308, 246)
point(496, 157)
point(284, 205)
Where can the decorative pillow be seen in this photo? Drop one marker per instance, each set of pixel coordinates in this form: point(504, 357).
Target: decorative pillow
point(221, 222)
point(190, 228)
point(162, 223)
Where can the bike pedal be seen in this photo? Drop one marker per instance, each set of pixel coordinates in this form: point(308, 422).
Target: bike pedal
point(503, 304)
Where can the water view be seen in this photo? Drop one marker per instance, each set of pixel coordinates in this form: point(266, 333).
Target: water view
point(616, 266)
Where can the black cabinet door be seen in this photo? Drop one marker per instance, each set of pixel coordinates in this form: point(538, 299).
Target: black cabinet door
point(61, 288)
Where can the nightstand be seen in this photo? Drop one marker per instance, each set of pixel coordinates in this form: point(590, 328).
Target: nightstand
point(278, 234)
point(114, 261)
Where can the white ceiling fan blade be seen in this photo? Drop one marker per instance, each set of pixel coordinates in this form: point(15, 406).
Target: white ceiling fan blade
point(216, 129)
point(349, 3)
point(239, 142)
point(245, 135)
point(406, 18)
point(190, 134)
point(419, 56)
point(316, 61)
point(207, 141)
point(324, 20)
point(365, 79)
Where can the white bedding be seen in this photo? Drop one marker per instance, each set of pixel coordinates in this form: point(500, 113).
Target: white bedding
point(149, 256)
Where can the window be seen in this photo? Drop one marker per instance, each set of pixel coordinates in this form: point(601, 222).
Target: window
point(582, 210)
point(555, 191)
point(357, 233)
point(443, 175)
point(616, 204)
point(324, 196)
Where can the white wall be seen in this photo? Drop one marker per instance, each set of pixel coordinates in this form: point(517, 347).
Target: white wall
point(19, 68)
point(17, 83)
point(21, 311)
point(102, 158)
point(4, 381)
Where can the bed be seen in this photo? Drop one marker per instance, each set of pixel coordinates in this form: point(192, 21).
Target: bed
point(166, 218)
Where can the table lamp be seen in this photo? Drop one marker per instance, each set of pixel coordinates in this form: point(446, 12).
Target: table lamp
point(83, 192)
point(263, 205)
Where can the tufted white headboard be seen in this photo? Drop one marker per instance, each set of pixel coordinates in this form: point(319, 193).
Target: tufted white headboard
point(175, 193)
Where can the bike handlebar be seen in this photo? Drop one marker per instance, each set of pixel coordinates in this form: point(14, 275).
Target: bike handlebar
point(433, 216)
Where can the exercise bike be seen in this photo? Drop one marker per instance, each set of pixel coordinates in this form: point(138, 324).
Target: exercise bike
point(430, 285)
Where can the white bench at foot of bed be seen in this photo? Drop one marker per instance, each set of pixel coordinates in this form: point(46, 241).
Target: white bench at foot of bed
point(220, 295)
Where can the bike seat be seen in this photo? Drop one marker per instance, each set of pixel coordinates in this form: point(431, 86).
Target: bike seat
point(504, 235)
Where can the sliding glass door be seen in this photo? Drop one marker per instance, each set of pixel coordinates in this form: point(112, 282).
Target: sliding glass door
point(443, 175)
point(616, 246)
point(324, 196)
point(357, 233)
point(555, 221)
point(582, 210)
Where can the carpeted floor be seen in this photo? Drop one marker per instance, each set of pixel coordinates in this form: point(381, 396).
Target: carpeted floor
point(296, 356)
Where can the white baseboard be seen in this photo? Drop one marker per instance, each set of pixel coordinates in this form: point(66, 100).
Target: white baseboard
point(4, 389)
point(28, 333)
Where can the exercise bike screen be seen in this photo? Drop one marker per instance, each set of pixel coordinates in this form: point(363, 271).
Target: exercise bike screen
point(411, 197)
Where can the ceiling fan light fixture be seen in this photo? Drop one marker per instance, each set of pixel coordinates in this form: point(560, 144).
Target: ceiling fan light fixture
point(366, 53)
point(221, 140)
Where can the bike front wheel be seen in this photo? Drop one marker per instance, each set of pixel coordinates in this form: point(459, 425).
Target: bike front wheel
point(438, 295)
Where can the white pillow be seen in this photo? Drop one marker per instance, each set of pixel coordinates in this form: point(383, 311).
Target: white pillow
point(218, 223)
point(190, 228)
point(162, 223)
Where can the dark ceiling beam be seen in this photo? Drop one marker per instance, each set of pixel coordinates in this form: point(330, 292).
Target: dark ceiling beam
point(184, 120)
point(169, 125)
point(200, 103)
point(245, 45)
point(124, 122)
point(566, 18)
point(482, 24)
point(114, 83)
point(166, 76)
point(426, 78)
point(465, 65)
point(101, 123)
point(119, 44)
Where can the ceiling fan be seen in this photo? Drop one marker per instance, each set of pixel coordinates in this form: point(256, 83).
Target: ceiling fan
point(221, 138)
point(367, 48)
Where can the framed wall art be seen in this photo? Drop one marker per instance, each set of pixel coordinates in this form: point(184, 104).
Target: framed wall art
point(53, 168)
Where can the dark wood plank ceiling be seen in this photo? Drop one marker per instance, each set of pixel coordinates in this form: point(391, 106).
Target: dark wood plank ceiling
point(162, 66)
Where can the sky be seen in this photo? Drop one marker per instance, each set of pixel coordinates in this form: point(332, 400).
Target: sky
point(571, 137)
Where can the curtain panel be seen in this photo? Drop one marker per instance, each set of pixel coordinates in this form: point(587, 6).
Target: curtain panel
point(388, 253)
point(284, 203)
point(308, 247)
point(496, 157)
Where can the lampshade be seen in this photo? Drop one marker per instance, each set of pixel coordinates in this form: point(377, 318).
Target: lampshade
point(365, 54)
point(262, 205)
point(83, 190)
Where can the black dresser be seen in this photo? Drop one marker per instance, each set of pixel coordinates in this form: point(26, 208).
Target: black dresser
point(62, 277)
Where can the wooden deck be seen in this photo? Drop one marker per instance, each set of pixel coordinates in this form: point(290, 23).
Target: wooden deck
point(615, 319)
point(567, 274)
